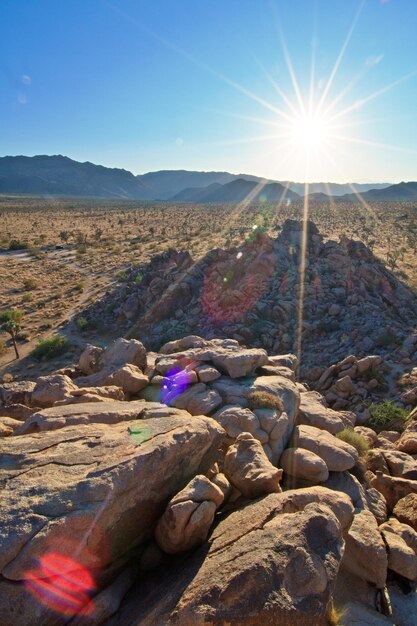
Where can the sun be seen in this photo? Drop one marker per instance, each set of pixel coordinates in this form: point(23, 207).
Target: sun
point(309, 131)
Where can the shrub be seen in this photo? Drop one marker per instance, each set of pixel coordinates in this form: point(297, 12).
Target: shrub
point(50, 348)
point(30, 283)
point(3, 347)
point(79, 286)
point(35, 252)
point(387, 416)
point(123, 276)
point(17, 245)
point(82, 322)
point(354, 439)
point(264, 400)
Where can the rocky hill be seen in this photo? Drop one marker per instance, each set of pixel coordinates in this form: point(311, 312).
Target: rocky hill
point(201, 484)
point(351, 303)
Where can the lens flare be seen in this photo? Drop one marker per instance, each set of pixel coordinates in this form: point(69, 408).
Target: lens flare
point(174, 384)
point(61, 584)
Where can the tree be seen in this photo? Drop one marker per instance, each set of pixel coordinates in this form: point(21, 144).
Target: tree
point(10, 322)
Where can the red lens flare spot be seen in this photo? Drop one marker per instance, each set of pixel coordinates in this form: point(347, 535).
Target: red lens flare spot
point(61, 584)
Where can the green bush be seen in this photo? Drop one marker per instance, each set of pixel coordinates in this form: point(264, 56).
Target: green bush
point(264, 400)
point(17, 245)
point(30, 283)
point(387, 416)
point(50, 348)
point(354, 439)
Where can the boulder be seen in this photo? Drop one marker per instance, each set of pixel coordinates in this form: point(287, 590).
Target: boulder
point(304, 464)
point(107, 412)
point(400, 464)
point(247, 468)
point(95, 491)
point(367, 433)
point(88, 362)
point(392, 488)
point(313, 413)
point(188, 517)
point(408, 442)
point(406, 510)
point(51, 389)
point(359, 614)
point(365, 553)
point(273, 542)
point(407, 534)
point(17, 392)
point(129, 377)
point(17, 411)
point(121, 352)
point(8, 426)
point(198, 400)
point(338, 455)
point(401, 558)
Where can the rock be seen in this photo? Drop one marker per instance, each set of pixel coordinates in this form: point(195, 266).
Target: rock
point(304, 464)
point(94, 490)
point(248, 469)
point(400, 464)
point(407, 534)
point(272, 541)
point(51, 389)
point(406, 510)
point(335, 309)
point(239, 363)
point(401, 558)
point(130, 378)
point(109, 392)
point(198, 400)
point(408, 442)
point(338, 455)
point(365, 554)
point(313, 413)
point(89, 359)
point(236, 420)
point(359, 614)
point(392, 488)
point(107, 602)
point(377, 504)
point(185, 343)
point(107, 412)
point(367, 433)
point(207, 373)
point(188, 517)
point(8, 425)
point(17, 411)
point(122, 352)
point(345, 482)
point(17, 392)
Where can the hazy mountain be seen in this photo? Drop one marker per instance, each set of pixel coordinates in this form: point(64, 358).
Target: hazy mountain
point(60, 175)
point(236, 191)
point(166, 184)
point(401, 192)
point(334, 189)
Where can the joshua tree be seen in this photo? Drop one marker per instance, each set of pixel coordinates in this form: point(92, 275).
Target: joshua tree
point(10, 322)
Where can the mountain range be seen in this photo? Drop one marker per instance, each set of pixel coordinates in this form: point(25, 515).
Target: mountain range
point(61, 176)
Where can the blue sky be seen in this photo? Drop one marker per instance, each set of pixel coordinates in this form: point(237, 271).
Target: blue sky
point(198, 84)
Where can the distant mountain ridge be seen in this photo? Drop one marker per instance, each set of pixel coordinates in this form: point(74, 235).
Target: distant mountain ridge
point(237, 191)
point(61, 176)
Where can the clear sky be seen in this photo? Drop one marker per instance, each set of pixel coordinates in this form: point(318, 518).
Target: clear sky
point(206, 85)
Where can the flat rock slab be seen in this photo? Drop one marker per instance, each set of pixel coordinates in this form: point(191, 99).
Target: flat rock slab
point(263, 564)
point(110, 412)
point(92, 492)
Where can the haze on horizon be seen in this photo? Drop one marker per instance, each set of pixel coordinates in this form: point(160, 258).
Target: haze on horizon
point(307, 90)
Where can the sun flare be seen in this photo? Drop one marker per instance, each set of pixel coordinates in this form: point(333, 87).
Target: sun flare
point(309, 131)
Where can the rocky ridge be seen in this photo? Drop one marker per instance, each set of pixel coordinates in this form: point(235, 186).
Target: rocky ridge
point(351, 303)
point(200, 484)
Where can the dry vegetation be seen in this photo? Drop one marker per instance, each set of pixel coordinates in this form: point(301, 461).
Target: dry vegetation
point(100, 238)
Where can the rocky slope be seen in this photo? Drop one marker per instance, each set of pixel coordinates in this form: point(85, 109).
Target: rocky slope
point(200, 484)
point(349, 302)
